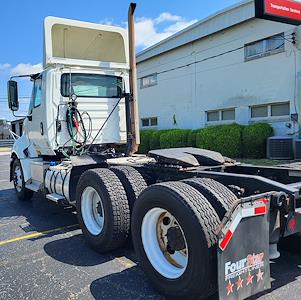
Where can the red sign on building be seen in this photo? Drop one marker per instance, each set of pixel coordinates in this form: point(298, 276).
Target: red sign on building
point(285, 11)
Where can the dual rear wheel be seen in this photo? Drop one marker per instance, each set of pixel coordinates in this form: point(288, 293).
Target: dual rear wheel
point(173, 232)
point(173, 225)
point(104, 201)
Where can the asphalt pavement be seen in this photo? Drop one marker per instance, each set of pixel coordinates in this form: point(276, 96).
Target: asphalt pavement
point(43, 255)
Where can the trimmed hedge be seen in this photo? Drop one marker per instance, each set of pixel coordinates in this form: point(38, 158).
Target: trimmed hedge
point(191, 139)
point(154, 142)
point(231, 140)
point(176, 138)
point(145, 136)
point(225, 139)
point(254, 139)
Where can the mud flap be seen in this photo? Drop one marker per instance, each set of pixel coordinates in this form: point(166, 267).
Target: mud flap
point(243, 264)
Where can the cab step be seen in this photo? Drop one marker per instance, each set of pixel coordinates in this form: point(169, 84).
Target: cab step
point(56, 198)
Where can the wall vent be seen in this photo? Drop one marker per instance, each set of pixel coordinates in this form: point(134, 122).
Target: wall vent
point(280, 148)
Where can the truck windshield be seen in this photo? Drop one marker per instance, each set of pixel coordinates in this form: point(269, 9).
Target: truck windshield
point(91, 85)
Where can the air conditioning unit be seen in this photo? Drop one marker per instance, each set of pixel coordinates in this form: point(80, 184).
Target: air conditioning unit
point(297, 149)
point(280, 148)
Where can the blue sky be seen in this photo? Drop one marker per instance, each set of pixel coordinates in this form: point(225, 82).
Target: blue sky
point(21, 28)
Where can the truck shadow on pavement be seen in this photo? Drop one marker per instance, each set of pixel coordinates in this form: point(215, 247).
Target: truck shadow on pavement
point(74, 251)
point(128, 284)
point(284, 270)
point(132, 283)
point(37, 214)
point(121, 279)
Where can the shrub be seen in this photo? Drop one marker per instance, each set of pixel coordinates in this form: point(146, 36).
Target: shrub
point(175, 138)
point(225, 139)
point(191, 138)
point(155, 139)
point(145, 136)
point(231, 140)
point(254, 139)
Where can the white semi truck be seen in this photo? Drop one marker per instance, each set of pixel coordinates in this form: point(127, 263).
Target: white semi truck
point(199, 222)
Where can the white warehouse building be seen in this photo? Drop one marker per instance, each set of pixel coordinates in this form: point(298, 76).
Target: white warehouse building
point(229, 67)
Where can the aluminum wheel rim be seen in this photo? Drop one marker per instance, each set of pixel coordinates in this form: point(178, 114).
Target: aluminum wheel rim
point(92, 210)
point(18, 179)
point(155, 244)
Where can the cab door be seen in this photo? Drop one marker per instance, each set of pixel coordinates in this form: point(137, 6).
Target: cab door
point(37, 131)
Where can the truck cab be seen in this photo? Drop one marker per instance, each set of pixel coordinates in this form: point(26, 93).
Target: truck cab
point(84, 64)
point(81, 90)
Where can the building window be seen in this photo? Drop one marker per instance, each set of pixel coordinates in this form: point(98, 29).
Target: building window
point(148, 81)
point(271, 45)
point(221, 115)
point(281, 109)
point(270, 110)
point(213, 116)
point(259, 111)
point(228, 114)
point(146, 122)
point(154, 121)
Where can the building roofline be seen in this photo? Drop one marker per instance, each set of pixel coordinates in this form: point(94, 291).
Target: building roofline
point(218, 14)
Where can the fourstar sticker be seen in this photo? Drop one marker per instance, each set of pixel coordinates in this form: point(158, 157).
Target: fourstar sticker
point(239, 283)
point(229, 288)
point(259, 275)
point(249, 279)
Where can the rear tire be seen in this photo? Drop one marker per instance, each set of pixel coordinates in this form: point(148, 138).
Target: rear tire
point(220, 197)
point(102, 209)
point(196, 220)
point(132, 181)
point(22, 192)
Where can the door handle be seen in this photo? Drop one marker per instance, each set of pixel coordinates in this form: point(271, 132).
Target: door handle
point(41, 128)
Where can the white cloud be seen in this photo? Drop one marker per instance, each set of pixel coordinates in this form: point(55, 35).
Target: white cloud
point(148, 33)
point(178, 26)
point(4, 66)
point(166, 16)
point(25, 69)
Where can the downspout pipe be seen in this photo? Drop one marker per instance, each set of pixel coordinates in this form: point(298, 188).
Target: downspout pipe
point(133, 102)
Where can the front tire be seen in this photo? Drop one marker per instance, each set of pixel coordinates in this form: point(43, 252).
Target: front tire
point(102, 209)
point(173, 232)
point(22, 192)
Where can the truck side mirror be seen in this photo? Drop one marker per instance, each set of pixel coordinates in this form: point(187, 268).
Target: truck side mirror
point(12, 93)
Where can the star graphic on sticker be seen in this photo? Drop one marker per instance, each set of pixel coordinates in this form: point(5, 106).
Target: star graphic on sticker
point(239, 283)
point(259, 275)
point(229, 288)
point(249, 279)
